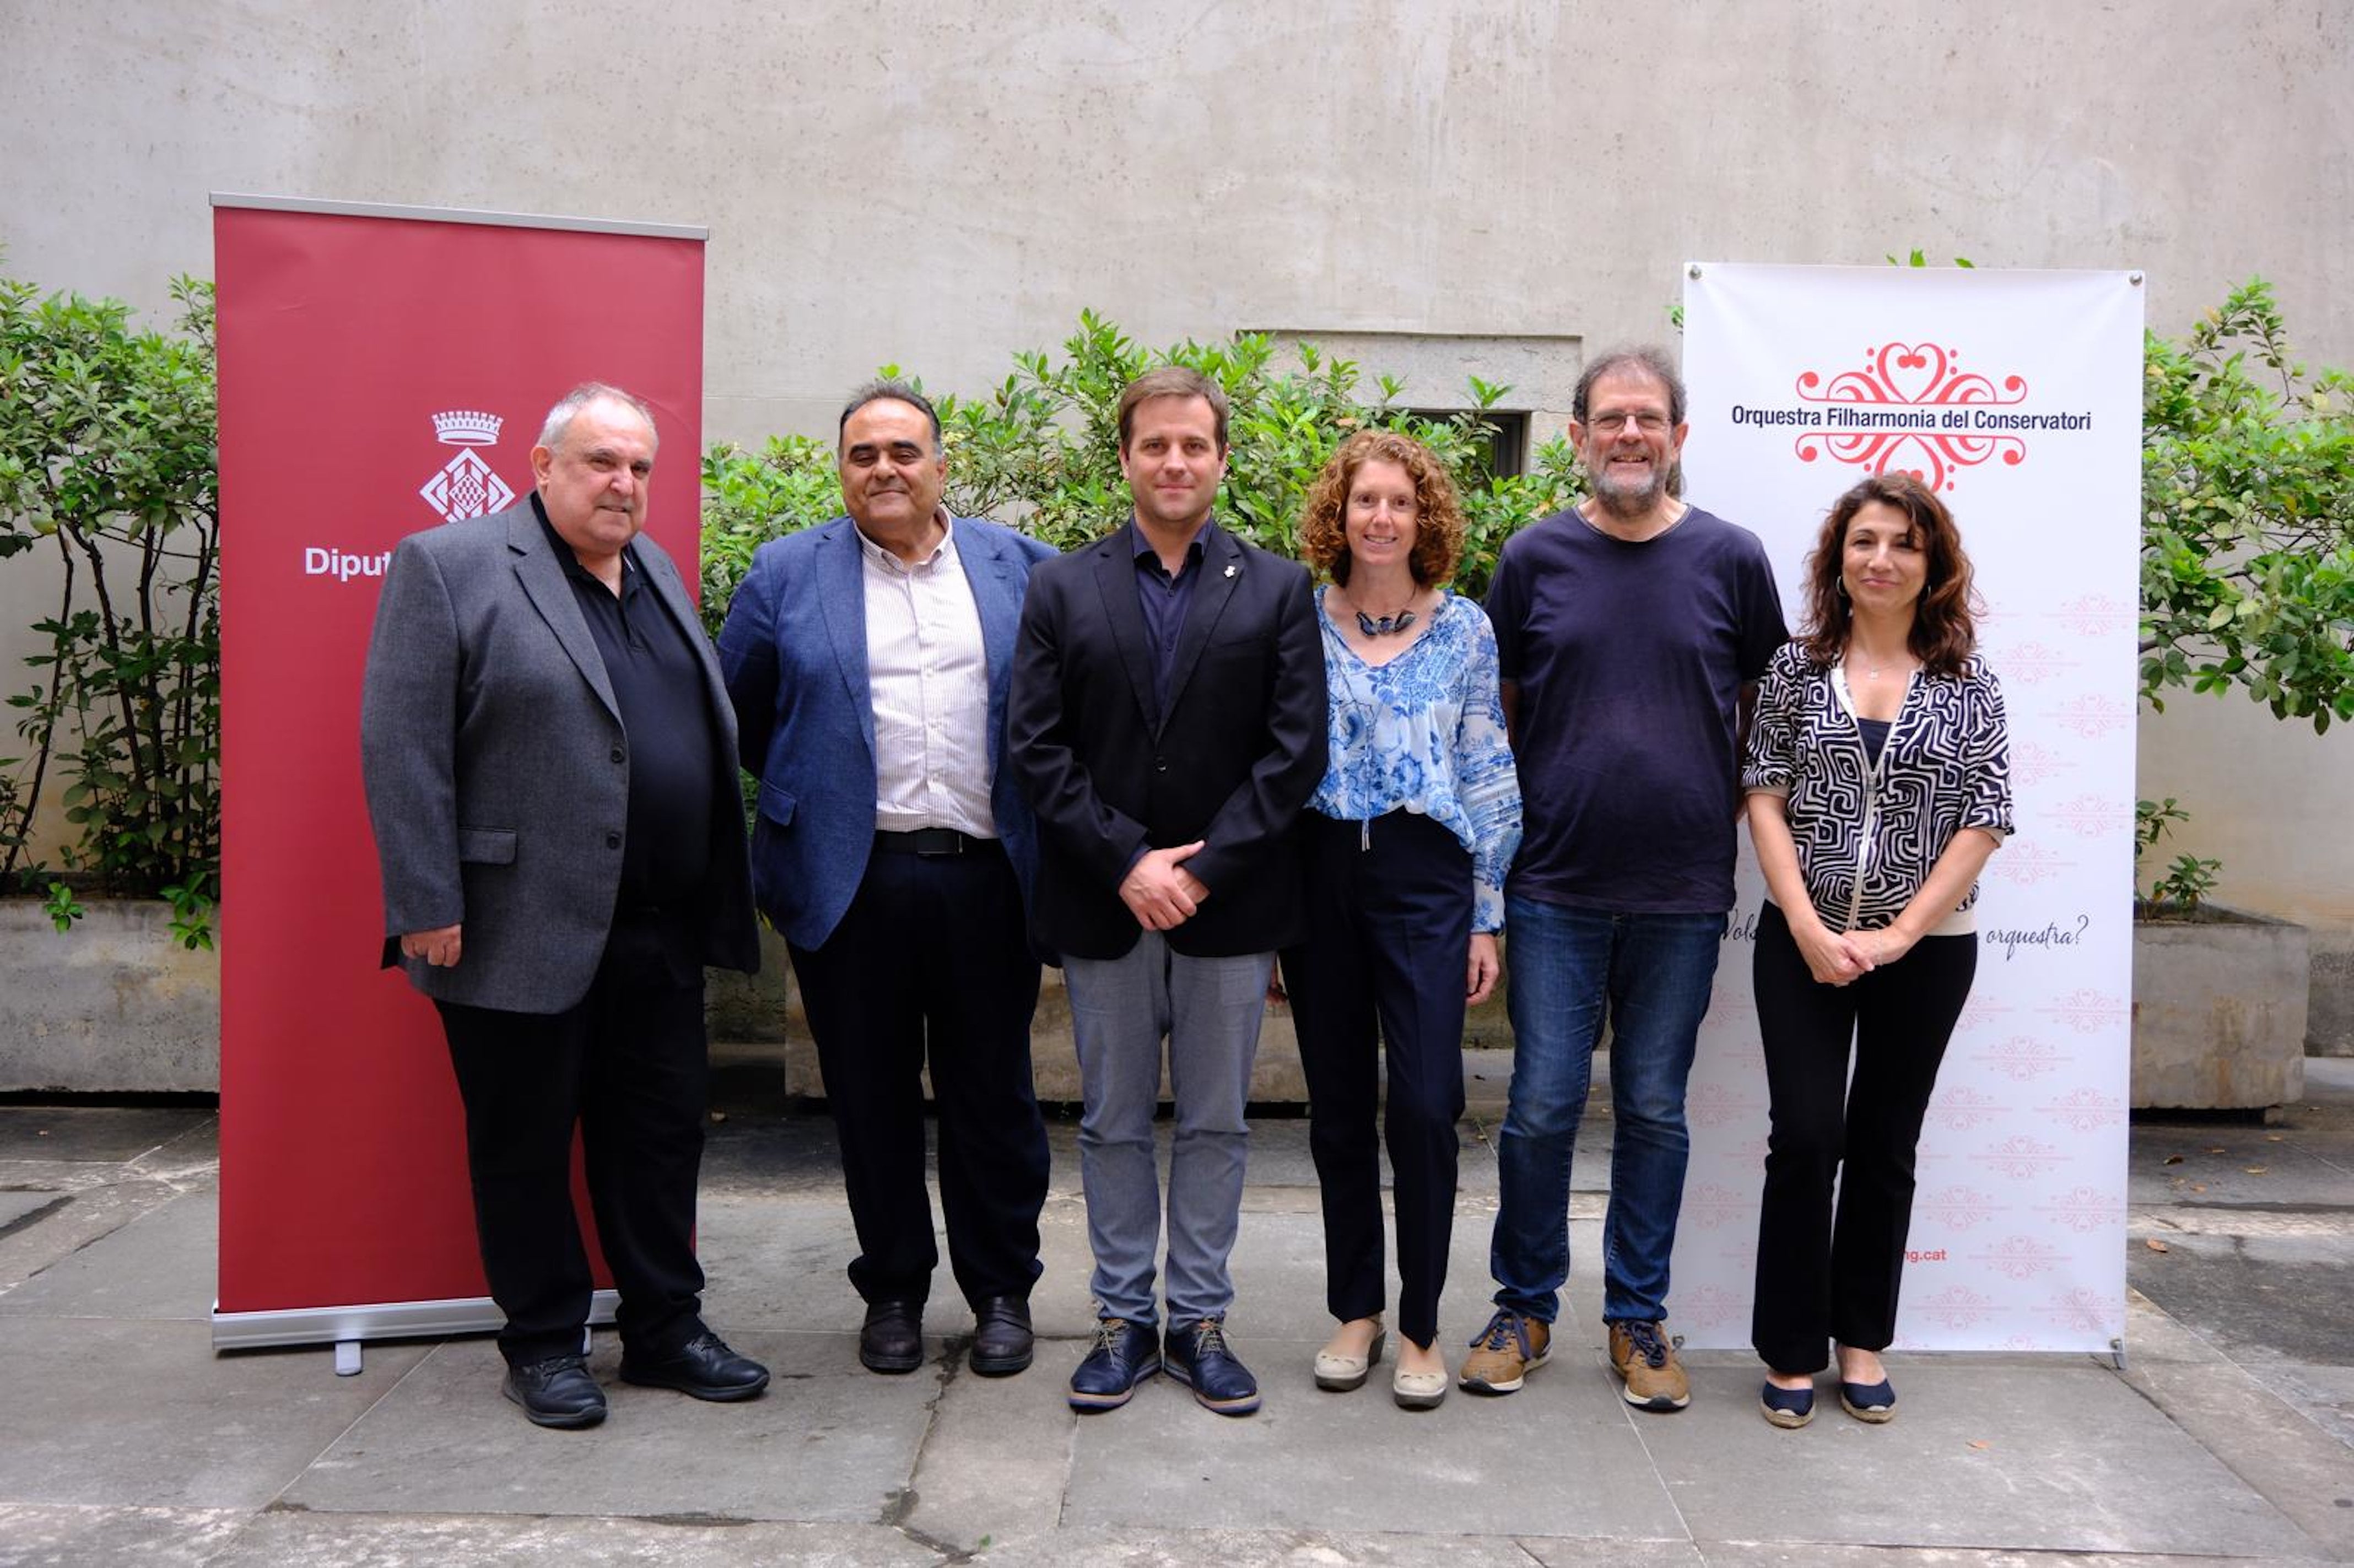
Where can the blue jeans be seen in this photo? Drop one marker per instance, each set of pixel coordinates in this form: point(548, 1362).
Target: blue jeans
point(1568, 971)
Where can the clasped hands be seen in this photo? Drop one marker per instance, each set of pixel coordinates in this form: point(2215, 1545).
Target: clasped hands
point(1839, 958)
point(1159, 892)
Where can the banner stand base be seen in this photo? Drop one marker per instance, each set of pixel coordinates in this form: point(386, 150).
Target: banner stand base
point(346, 1327)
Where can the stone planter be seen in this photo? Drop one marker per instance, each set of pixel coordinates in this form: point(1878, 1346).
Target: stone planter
point(113, 1006)
point(2219, 1012)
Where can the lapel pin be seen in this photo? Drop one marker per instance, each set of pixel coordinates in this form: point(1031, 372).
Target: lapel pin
point(1234, 570)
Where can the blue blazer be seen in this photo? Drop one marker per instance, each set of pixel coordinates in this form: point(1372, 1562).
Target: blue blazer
point(793, 654)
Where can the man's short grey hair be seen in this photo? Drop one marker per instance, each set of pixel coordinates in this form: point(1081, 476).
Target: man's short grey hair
point(1648, 359)
point(888, 389)
point(559, 418)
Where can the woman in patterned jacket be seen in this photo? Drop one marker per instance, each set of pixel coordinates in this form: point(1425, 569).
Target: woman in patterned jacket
point(1878, 780)
point(1408, 840)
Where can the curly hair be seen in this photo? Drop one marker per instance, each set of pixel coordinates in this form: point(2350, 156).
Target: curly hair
point(1438, 515)
point(1945, 627)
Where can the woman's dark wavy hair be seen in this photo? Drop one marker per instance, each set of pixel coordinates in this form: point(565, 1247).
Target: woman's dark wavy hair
point(1438, 521)
point(1945, 627)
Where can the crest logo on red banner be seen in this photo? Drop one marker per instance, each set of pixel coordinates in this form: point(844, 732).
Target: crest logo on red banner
point(466, 486)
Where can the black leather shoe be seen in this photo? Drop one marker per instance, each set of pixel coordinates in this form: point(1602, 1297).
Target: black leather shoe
point(704, 1367)
point(1124, 1355)
point(1198, 1354)
point(558, 1391)
point(1002, 1339)
point(893, 1338)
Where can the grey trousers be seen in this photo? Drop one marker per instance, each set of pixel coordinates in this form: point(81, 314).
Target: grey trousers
point(1209, 1010)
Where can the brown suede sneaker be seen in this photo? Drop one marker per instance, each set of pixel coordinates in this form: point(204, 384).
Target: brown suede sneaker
point(1511, 1346)
point(1647, 1360)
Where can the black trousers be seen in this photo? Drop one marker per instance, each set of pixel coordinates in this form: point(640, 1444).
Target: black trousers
point(1389, 920)
point(932, 964)
point(1825, 1275)
point(628, 1065)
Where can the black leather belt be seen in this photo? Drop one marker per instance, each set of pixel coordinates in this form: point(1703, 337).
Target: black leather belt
point(932, 841)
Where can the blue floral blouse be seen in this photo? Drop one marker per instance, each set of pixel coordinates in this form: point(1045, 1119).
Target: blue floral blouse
point(1425, 733)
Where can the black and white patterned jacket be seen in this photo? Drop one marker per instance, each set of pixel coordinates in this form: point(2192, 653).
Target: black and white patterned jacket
point(1866, 835)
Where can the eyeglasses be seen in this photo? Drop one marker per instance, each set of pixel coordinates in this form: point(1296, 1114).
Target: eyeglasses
point(1646, 421)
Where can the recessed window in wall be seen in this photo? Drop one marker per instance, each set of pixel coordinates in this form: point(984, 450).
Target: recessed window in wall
point(1435, 371)
point(1508, 434)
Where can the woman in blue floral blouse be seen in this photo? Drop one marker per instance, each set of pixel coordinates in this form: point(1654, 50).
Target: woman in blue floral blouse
point(1879, 781)
point(1407, 842)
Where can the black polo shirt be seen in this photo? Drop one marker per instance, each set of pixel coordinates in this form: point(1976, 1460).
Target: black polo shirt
point(666, 717)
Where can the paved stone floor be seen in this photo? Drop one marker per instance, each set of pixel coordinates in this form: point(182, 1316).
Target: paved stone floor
point(2227, 1437)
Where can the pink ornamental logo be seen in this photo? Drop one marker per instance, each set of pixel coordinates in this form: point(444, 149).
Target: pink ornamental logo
point(1911, 407)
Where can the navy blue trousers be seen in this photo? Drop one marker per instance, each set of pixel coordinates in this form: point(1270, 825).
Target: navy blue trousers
point(931, 966)
point(1389, 931)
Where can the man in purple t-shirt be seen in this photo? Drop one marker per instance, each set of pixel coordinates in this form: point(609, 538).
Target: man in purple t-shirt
point(1630, 631)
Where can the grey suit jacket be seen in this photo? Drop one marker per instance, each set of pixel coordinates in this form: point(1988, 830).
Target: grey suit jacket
point(497, 771)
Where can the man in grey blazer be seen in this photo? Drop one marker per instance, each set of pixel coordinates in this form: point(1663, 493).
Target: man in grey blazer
point(868, 660)
point(548, 755)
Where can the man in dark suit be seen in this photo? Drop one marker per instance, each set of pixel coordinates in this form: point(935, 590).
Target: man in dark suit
point(549, 757)
point(1167, 722)
point(868, 661)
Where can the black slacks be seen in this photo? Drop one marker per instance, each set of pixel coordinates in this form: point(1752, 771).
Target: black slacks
point(1824, 1275)
point(930, 964)
point(628, 1064)
point(1389, 921)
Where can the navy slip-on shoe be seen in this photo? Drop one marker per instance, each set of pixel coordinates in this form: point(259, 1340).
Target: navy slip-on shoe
point(1872, 1402)
point(1789, 1408)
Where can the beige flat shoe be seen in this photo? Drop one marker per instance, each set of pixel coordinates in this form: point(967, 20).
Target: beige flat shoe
point(1343, 1375)
point(1419, 1391)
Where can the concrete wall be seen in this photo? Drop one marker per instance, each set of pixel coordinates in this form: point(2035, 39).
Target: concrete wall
point(937, 186)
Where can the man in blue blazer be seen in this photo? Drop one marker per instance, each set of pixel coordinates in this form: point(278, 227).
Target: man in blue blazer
point(868, 661)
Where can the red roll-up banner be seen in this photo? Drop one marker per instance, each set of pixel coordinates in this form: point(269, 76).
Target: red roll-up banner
point(382, 370)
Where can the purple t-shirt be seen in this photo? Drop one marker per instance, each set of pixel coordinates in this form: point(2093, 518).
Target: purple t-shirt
point(1630, 661)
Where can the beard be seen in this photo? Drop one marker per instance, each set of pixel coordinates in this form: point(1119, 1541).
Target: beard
point(1621, 499)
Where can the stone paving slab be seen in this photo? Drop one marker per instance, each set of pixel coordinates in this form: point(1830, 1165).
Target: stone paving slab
point(2265, 1290)
point(101, 1411)
point(52, 1534)
point(1086, 1547)
point(829, 1443)
point(1812, 1554)
point(82, 1213)
point(293, 1539)
point(16, 1206)
point(160, 1264)
point(2230, 1167)
point(1568, 1463)
point(2063, 1457)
